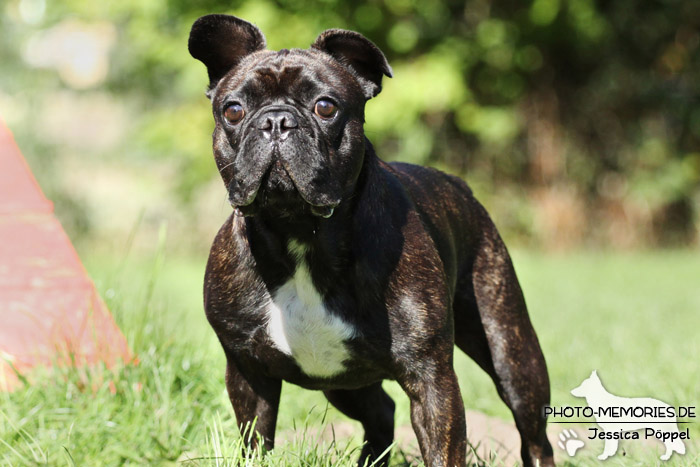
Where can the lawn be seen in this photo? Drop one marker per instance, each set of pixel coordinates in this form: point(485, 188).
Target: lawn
point(632, 316)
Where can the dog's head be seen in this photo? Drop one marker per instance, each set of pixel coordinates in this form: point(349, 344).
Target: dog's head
point(589, 386)
point(289, 124)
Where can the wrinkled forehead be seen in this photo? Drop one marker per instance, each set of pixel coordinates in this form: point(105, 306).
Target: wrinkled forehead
point(297, 72)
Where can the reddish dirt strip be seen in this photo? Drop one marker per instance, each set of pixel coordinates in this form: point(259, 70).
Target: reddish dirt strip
point(50, 312)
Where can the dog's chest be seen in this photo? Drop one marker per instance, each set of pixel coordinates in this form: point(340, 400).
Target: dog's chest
point(300, 325)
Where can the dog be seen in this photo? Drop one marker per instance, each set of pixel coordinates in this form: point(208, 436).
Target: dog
point(337, 270)
point(597, 398)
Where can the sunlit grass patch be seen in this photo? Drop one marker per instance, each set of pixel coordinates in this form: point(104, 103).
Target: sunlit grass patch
point(633, 317)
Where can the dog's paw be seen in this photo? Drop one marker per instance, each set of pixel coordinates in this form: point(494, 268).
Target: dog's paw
point(569, 442)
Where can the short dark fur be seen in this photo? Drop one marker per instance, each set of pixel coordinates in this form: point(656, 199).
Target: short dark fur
point(403, 254)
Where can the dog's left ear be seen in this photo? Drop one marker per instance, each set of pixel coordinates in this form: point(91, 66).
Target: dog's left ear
point(221, 42)
point(357, 53)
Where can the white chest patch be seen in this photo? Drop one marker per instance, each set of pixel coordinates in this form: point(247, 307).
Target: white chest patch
point(300, 325)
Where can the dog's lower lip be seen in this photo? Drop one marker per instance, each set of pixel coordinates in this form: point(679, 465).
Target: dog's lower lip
point(236, 202)
point(322, 211)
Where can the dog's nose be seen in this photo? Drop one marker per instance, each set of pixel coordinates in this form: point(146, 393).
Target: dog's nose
point(277, 124)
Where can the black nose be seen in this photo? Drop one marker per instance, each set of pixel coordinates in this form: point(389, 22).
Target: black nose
point(277, 124)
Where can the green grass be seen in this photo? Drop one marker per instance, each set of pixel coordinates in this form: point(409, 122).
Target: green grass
point(633, 317)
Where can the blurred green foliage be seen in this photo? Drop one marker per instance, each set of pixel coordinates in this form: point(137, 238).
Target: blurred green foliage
point(575, 121)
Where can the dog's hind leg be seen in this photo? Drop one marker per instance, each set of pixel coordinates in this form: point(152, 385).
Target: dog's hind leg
point(492, 327)
point(676, 445)
point(372, 407)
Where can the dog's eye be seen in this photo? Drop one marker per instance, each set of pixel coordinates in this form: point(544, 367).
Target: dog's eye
point(234, 113)
point(325, 109)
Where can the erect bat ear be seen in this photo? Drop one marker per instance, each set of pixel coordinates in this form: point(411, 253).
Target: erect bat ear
point(358, 53)
point(221, 42)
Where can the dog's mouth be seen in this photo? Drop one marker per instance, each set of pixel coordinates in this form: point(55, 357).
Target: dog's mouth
point(278, 194)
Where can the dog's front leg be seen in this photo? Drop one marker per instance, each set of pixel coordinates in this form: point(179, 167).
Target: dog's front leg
point(609, 450)
point(437, 415)
point(255, 401)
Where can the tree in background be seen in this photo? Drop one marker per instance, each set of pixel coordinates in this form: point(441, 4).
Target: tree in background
point(575, 121)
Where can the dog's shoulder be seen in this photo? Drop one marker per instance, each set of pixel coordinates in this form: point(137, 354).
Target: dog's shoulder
point(230, 263)
point(457, 222)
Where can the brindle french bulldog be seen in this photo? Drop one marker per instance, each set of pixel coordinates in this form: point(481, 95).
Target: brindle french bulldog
point(337, 270)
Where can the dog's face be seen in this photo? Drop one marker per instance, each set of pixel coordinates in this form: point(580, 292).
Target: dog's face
point(289, 125)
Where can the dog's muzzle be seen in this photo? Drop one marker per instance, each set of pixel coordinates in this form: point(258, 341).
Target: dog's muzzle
point(287, 173)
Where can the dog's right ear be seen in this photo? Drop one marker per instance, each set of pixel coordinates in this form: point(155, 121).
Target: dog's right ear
point(221, 42)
